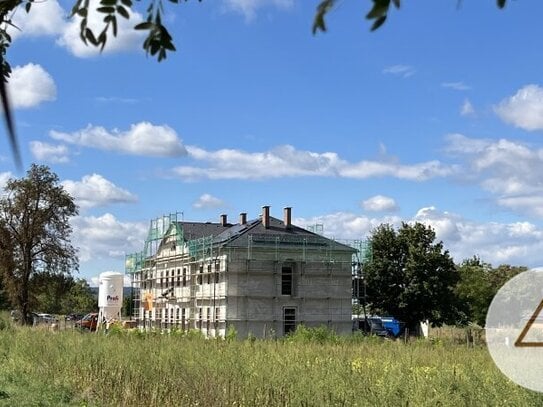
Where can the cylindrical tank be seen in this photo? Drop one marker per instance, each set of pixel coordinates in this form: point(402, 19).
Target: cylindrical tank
point(110, 294)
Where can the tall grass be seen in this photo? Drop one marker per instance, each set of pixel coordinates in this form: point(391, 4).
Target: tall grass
point(39, 367)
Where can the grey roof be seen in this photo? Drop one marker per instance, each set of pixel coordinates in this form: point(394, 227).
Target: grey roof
point(196, 230)
point(238, 235)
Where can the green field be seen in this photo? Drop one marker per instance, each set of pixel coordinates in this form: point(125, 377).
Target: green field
point(43, 368)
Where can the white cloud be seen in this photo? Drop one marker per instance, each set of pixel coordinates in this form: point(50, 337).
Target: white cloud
point(94, 190)
point(50, 153)
point(456, 85)
point(516, 243)
point(207, 201)
point(524, 109)
point(380, 203)
point(4, 176)
point(458, 144)
point(467, 109)
point(347, 225)
point(30, 85)
point(127, 38)
point(141, 139)
point(249, 7)
point(510, 171)
point(404, 71)
point(414, 172)
point(286, 161)
point(105, 237)
point(48, 18)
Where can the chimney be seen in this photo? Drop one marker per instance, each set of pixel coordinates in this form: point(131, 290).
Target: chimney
point(224, 220)
point(242, 218)
point(287, 217)
point(266, 216)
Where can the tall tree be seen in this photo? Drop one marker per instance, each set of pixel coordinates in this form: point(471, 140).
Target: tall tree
point(34, 233)
point(4, 303)
point(410, 276)
point(478, 285)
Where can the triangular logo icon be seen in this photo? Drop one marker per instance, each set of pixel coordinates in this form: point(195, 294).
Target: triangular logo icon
point(520, 343)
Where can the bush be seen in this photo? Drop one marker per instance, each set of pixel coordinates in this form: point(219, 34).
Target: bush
point(321, 334)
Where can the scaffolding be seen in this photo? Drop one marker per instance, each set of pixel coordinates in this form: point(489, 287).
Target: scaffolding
point(191, 278)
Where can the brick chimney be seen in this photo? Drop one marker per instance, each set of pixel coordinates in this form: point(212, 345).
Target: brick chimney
point(287, 217)
point(266, 216)
point(224, 220)
point(242, 218)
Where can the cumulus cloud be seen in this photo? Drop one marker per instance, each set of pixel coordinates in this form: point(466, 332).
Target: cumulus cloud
point(103, 237)
point(30, 85)
point(380, 203)
point(456, 85)
point(467, 109)
point(286, 161)
point(141, 139)
point(48, 18)
point(4, 176)
point(249, 7)
point(127, 38)
point(524, 109)
point(347, 225)
point(207, 201)
point(510, 171)
point(94, 190)
point(516, 243)
point(50, 153)
point(404, 71)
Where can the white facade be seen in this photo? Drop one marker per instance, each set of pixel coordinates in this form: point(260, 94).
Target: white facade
point(262, 279)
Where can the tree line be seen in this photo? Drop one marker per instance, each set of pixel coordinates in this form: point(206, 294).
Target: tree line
point(407, 274)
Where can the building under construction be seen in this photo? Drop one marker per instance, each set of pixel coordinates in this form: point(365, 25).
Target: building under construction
point(261, 277)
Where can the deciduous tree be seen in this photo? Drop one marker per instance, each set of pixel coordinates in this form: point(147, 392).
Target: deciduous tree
point(410, 276)
point(478, 285)
point(34, 233)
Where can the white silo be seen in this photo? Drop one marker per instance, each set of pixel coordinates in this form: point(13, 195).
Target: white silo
point(110, 297)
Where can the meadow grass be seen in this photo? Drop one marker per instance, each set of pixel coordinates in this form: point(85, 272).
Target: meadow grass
point(43, 368)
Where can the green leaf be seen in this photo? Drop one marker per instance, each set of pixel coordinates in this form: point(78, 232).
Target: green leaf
point(322, 9)
point(89, 35)
point(108, 2)
point(127, 3)
point(82, 12)
point(27, 7)
point(122, 11)
point(144, 26)
point(380, 9)
point(114, 25)
point(378, 23)
point(106, 10)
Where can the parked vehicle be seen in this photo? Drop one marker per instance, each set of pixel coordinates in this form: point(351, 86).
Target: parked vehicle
point(74, 317)
point(40, 318)
point(386, 327)
point(89, 321)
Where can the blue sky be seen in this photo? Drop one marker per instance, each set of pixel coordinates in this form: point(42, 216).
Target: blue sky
point(436, 117)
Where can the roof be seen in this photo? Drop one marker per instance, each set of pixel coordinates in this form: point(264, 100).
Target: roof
point(197, 230)
point(238, 235)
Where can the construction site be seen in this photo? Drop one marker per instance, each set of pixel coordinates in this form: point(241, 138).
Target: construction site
point(260, 277)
